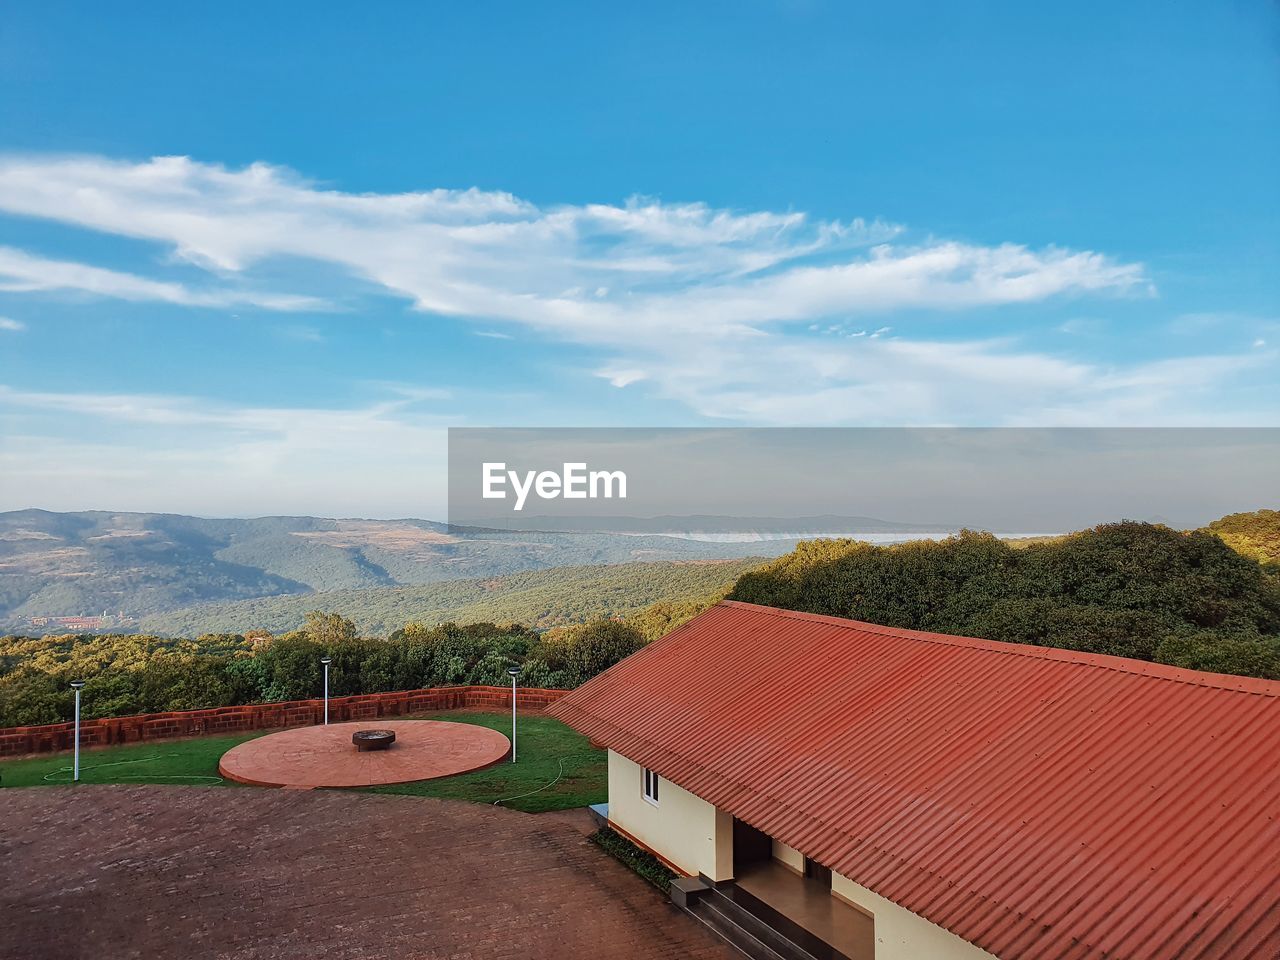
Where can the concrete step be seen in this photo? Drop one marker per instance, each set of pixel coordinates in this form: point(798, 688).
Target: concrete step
point(732, 922)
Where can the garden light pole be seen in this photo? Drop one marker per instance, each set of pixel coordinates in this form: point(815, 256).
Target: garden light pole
point(326, 661)
point(77, 686)
point(513, 672)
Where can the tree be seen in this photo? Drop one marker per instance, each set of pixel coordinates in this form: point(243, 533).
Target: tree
point(576, 654)
point(328, 629)
point(1255, 535)
point(1128, 589)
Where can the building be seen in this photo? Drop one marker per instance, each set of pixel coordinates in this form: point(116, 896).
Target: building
point(82, 622)
point(864, 791)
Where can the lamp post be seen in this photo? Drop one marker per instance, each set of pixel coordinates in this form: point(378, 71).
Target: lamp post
point(326, 661)
point(77, 686)
point(513, 672)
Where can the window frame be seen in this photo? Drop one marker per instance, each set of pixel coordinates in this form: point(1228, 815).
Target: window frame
point(649, 784)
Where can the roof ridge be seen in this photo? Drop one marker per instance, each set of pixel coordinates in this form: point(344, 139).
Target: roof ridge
point(1101, 661)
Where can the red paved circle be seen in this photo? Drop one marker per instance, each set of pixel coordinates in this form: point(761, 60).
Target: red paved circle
point(324, 756)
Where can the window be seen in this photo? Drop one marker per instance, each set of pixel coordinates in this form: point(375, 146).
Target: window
point(651, 786)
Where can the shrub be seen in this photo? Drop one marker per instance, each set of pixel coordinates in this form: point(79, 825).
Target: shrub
point(628, 854)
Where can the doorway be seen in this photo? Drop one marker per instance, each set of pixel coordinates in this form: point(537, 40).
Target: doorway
point(816, 874)
point(749, 846)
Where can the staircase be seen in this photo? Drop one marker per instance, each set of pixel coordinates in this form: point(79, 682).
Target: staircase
point(737, 917)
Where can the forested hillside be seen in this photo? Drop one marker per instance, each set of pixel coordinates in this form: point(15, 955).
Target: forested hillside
point(1129, 589)
point(539, 599)
point(1255, 535)
point(141, 674)
point(70, 564)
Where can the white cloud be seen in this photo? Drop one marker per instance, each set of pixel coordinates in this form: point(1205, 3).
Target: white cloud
point(1081, 325)
point(896, 381)
point(21, 272)
point(222, 457)
point(11, 325)
point(593, 273)
point(698, 304)
point(622, 378)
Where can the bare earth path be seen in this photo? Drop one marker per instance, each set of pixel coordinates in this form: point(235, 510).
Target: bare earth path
point(190, 872)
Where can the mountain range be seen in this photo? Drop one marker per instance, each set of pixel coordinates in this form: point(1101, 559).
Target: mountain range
point(140, 564)
point(534, 598)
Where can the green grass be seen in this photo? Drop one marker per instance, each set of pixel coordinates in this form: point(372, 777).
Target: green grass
point(545, 748)
point(174, 761)
point(556, 769)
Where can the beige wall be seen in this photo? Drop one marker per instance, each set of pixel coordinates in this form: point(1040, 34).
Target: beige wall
point(903, 935)
point(682, 829)
point(695, 837)
point(790, 856)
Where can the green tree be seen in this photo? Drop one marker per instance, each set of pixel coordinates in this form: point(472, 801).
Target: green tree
point(1126, 589)
point(576, 654)
point(1255, 535)
point(329, 629)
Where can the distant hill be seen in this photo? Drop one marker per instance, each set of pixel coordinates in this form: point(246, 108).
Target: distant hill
point(541, 598)
point(68, 564)
point(702, 526)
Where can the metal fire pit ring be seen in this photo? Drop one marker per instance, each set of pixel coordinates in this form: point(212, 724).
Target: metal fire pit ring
point(373, 739)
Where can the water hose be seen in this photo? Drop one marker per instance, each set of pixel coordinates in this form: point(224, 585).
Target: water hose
point(56, 775)
point(545, 786)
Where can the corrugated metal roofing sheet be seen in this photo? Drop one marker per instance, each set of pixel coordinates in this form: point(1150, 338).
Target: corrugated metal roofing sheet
point(1039, 803)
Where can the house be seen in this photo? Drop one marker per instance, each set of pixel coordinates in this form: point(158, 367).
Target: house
point(864, 791)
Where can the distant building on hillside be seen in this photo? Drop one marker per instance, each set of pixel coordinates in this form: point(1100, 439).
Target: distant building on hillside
point(861, 792)
point(79, 623)
point(102, 622)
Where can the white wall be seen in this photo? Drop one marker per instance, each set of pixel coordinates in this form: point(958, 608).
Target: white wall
point(790, 856)
point(903, 935)
point(683, 829)
point(695, 837)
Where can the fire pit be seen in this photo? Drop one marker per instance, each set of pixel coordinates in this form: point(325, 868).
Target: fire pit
point(373, 739)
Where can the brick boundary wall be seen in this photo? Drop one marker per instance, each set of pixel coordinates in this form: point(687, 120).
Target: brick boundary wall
point(108, 731)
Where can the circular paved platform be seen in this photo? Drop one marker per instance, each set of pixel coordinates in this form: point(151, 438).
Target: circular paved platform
point(324, 756)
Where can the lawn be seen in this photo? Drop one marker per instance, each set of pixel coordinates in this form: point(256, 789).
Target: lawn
point(557, 768)
point(174, 761)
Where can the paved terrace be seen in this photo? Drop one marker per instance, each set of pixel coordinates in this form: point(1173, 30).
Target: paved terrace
point(219, 873)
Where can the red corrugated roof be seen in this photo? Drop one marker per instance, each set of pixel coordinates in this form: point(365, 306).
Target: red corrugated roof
point(1039, 803)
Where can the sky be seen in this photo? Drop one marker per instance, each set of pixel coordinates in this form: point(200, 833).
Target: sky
point(257, 258)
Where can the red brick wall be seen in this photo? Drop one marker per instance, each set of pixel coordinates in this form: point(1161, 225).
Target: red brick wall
point(51, 737)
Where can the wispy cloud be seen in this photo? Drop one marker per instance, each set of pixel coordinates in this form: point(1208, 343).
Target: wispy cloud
point(891, 381)
point(716, 309)
point(301, 333)
point(12, 326)
point(596, 273)
point(220, 455)
point(1081, 325)
point(21, 272)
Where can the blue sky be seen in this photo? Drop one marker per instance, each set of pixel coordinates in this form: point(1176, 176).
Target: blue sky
point(252, 252)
